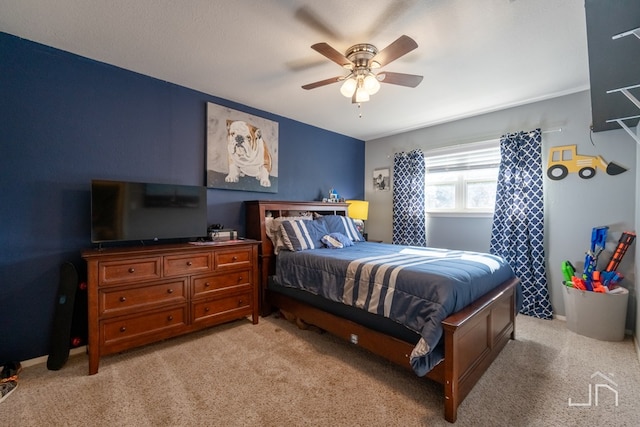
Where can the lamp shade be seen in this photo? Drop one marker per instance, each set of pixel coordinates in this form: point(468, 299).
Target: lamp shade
point(358, 209)
point(348, 87)
point(371, 84)
point(361, 94)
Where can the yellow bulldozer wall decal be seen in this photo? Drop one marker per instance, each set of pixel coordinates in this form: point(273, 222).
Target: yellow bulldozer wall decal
point(564, 159)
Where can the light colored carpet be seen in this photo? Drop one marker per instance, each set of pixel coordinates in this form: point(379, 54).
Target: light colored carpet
point(273, 374)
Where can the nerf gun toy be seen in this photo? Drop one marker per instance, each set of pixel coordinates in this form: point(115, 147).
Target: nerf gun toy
point(579, 283)
point(596, 282)
point(625, 241)
point(610, 279)
point(598, 241)
point(568, 271)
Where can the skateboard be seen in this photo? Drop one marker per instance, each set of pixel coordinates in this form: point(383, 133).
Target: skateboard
point(67, 329)
point(79, 322)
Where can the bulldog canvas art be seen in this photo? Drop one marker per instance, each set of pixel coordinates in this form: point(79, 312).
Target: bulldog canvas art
point(248, 154)
point(241, 150)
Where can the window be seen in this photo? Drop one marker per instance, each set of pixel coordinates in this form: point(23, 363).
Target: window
point(462, 179)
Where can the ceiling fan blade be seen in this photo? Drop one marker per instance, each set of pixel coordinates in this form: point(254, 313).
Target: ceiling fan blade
point(332, 54)
point(313, 21)
point(322, 83)
point(410, 80)
point(402, 46)
point(391, 13)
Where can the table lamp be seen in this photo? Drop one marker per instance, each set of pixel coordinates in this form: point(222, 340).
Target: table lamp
point(358, 210)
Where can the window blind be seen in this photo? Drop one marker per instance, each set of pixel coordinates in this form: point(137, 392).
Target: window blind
point(459, 160)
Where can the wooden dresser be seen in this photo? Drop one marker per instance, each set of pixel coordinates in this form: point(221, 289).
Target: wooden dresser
point(139, 295)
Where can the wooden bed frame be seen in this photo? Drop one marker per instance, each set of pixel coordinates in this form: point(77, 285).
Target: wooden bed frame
point(473, 337)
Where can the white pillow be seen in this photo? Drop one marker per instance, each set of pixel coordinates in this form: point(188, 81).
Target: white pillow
point(272, 228)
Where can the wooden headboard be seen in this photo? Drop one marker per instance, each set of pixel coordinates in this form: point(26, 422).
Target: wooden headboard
point(255, 213)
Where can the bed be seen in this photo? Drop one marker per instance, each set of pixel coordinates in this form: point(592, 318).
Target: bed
point(452, 342)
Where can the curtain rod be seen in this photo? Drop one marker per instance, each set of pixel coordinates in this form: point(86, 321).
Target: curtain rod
point(486, 141)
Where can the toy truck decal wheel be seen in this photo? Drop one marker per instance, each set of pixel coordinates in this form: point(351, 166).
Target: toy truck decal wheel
point(557, 172)
point(586, 173)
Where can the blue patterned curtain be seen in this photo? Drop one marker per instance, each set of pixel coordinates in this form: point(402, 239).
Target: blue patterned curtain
point(518, 224)
point(409, 226)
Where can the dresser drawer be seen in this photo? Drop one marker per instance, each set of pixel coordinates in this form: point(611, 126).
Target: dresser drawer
point(122, 332)
point(216, 283)
point(233, 258)
point(129, 270)
point(222, 309)
point(176, 265)
point(118, 300)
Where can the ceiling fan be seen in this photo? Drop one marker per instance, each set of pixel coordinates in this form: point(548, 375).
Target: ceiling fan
point(361, 59)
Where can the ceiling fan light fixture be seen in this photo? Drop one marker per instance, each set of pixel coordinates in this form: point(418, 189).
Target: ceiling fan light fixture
point(371, 84)
point(348, 87)
point(363, 60)
point(362, 95)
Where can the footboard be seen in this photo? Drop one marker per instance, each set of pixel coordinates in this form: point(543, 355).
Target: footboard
point(473, 339)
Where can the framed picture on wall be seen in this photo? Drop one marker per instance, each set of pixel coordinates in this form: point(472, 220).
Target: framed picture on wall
point(242, 151)
point(381, 180)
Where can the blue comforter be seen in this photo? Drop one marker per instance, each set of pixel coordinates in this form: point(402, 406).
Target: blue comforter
point(414, 286)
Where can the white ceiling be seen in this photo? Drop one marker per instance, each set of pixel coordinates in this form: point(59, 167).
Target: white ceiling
point(476, 56)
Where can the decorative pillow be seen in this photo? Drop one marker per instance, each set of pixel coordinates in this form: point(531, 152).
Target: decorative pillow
point(336, 241)
point(342, 224)
point(272, 229)
point(299, 235)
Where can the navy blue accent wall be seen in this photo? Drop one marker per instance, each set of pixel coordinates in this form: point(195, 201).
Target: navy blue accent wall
point(65, 119)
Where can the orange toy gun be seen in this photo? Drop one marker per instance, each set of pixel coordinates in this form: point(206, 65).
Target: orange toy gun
point(623, 244)
point(578, 283)
point(596, 283)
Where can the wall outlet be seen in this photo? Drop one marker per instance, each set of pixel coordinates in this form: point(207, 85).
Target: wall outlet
point(354, 339)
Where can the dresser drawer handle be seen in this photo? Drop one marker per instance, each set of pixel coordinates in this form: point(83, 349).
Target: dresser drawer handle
point(170, 318)
point(239, 302)
point(235, 258)
point(123, 299)
point(122, 329)
point(132, 270)
point(169, 291)
point(239, 278)
point(189, 263)
point(207, 284)
point(206, 309)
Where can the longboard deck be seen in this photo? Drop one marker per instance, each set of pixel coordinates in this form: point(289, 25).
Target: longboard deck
point(63, 317)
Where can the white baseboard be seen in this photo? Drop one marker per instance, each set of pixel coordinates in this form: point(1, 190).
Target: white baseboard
point(43, 359)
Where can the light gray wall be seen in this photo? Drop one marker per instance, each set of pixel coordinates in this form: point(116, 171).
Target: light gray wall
point(573, 206)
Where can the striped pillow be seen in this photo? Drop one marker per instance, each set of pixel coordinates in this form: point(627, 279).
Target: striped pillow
point(299, 235)
point(342, 224)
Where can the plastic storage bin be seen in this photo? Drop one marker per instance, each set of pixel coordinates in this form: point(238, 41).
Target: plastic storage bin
point(596, 315)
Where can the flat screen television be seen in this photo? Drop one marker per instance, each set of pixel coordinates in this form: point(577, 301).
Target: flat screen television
point(136, 211)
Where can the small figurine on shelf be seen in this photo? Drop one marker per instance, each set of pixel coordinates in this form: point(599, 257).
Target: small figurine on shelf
point(333, 196)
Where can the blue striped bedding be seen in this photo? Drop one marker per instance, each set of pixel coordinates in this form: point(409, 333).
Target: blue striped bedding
point(416, 287)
